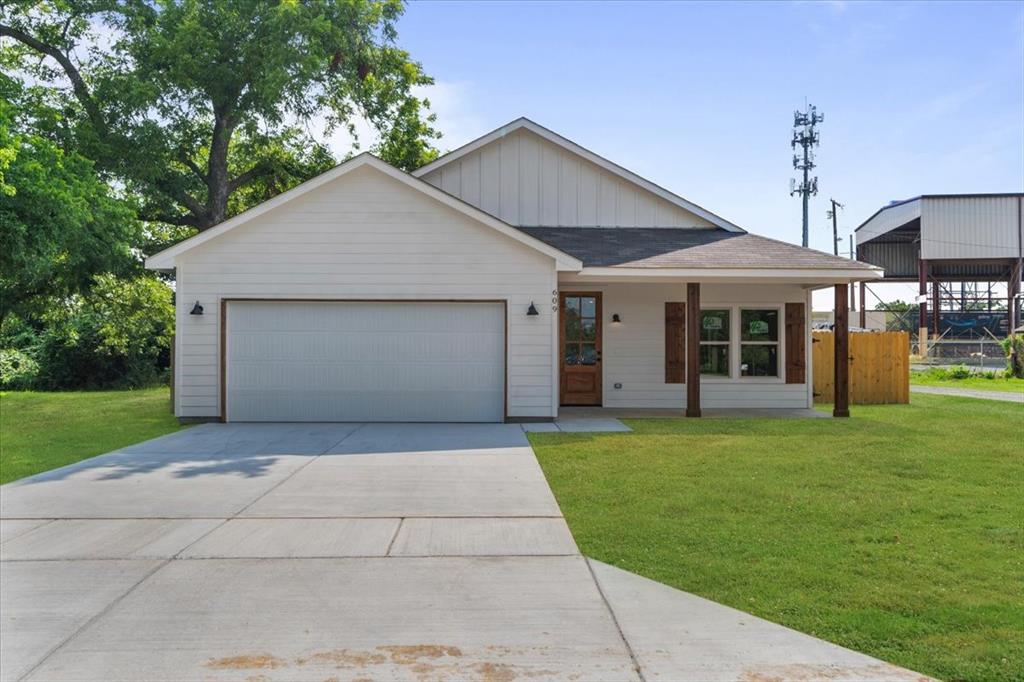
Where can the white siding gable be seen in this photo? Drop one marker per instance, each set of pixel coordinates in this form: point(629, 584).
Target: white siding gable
point(365, 236)
point(526, 180)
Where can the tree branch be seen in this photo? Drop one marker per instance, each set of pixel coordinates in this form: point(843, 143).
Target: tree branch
point(81, 90)
point(192, 166)
point(242, 179)
point(181, 220)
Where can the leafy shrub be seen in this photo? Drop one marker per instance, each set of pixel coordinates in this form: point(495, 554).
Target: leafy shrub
point(1013, 346)
point(118, 335)
point(958, 372)
point(18, 369)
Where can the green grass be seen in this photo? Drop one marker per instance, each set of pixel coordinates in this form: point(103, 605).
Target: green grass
point(988, 382)
point(898, 532)
point(42, 431)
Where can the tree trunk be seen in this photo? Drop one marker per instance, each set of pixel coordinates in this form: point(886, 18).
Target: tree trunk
point(217, 181)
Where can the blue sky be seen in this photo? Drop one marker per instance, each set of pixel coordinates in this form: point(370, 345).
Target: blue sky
point(698, 97)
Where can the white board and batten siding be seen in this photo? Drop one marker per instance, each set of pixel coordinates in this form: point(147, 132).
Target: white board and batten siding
point(365, 236)
point(526, 180)
point(972, 227)
point(634, 351)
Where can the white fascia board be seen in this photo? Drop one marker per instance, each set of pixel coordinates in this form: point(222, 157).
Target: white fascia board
point(574, 148)
point(752, 275)
point(164, 260)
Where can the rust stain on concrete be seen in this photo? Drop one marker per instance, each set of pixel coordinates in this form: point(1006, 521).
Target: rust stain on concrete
point(409, 654)
point(427, 662)
point(247, 662)
point(344, 658)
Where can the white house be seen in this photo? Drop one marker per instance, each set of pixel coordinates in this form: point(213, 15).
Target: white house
point(515, 275)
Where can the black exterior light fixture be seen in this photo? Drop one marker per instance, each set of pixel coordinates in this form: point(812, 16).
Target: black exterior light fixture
point(532, 310)
point(616, 320)
point(196, 309)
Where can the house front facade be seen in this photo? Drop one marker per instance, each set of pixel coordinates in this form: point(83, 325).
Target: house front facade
point(516, 275)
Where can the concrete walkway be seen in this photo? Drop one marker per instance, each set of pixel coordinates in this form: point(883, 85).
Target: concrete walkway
point(347, 552)
point(1005, 396)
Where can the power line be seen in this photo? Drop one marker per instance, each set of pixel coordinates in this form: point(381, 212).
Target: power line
point(805, 135)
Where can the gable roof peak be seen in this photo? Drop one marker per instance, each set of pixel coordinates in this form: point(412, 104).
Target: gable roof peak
point(551, 136)
point(166, 259)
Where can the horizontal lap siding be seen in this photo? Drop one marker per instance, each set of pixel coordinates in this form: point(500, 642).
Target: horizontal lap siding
point(364, 236)
point(634, 351)
point(526, 180)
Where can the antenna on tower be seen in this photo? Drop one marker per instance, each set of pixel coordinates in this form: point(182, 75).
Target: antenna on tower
point(805, 136)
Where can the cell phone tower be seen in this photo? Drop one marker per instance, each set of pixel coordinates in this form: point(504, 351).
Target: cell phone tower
point(805, 136)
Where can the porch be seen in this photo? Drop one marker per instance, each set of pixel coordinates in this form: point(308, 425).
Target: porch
point(606, 413)
point(662, 347)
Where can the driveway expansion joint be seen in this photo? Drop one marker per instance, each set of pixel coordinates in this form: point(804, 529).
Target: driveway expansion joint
point(95, 618)
point(615, 620)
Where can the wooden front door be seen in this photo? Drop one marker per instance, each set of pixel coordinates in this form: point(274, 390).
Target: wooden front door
point(580, 322)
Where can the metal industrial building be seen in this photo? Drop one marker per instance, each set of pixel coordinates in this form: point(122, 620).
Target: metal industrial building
point(961, 249)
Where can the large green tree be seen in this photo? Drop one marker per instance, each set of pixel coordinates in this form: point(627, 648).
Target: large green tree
point(196, 106)
point(60, 225)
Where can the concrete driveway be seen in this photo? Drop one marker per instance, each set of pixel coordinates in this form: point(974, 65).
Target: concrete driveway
point(347, 552)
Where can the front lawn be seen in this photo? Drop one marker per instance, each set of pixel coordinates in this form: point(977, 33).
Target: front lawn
point(989, 381)
point(898, 532)
point(42, 431)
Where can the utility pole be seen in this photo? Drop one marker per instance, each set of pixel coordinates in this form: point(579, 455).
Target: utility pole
point(805, 136)
point(853, 301)
point(832, 213)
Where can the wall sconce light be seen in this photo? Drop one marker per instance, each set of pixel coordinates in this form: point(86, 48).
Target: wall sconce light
point(532, 310)
point(196, 309)
point(616, 320)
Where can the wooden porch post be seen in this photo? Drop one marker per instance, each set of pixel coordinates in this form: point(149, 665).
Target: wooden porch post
point(693, 349)
point(841, 361)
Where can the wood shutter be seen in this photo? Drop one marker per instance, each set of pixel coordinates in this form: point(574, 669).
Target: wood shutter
point(796, 344)
point(675, 343)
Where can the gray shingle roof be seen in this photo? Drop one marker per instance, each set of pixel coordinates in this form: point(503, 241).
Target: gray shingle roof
point(651, 247)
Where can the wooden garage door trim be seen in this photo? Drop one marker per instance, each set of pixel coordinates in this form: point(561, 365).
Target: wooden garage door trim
point(223, 359)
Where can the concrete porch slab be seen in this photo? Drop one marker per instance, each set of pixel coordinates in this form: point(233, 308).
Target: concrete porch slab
point(566, 413)
point(539, 427)
point(764, 413)
point(45, 602)
point(395, 619)
point(483, 537)
point(294, 538)
point(675, 635)
point(591, 425)
point(577, 425)
point(108, 539)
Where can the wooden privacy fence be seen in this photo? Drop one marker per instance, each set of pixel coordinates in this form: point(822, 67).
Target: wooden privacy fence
point(879, 367)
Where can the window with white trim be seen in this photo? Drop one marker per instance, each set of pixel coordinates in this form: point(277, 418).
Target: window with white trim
point(759, 342)
point(714, 342)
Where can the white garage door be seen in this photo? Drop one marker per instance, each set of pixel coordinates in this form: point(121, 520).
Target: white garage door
point(313, 361)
